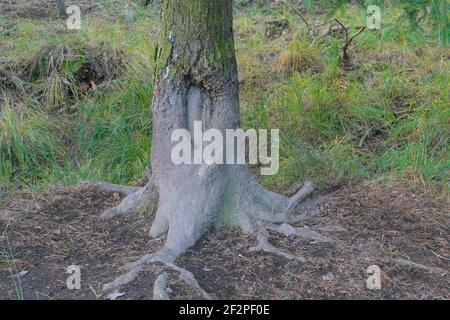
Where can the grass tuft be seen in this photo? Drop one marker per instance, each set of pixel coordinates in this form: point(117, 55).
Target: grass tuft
point(299, 57)
point(64, 72)
point(29, 145)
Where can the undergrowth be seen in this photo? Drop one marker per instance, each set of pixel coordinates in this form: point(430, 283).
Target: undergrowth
point(76, 106)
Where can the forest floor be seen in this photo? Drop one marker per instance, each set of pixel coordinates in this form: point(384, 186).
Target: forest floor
point(46, 233)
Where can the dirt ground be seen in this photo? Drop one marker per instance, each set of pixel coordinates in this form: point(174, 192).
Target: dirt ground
point(44, 234)
point(38, 9)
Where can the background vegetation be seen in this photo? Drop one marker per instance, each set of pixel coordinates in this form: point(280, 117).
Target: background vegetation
point(75, 105)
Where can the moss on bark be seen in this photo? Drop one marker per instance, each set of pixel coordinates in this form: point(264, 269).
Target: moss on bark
point(196, 38)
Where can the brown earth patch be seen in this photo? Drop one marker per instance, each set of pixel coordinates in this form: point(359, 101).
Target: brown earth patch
point(39, 9)
point(46, 233)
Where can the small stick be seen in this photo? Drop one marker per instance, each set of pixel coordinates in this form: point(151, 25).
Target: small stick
point(308, 26)
point(348, 40)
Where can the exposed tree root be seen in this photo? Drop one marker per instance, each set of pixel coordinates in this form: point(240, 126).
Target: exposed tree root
point(257, 209)
point(265, 205)
point(304, 192)
point(411, 264)
point(110, 187)
point(264, 245)
point(258, 217)
point(161, 256)
point(137, 200)
point(159, 288)
point(265, 222)
point(289, 230)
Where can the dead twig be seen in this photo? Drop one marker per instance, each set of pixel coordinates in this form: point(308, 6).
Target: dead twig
point(439, 256)
point(298, 13)
point(364, 137)
point(402, 71)
point(348, 40)
point(412, 264)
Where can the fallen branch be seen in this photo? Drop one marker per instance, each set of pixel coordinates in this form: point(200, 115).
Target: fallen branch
point(408, 263)
point(110, 187)
point(297, 12)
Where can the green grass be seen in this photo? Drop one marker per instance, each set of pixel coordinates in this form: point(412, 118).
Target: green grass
point(29, 145)
point(385, 119)
point(114, 132)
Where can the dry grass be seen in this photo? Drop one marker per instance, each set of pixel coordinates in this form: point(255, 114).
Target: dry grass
point(64, 72)
point(299, 57)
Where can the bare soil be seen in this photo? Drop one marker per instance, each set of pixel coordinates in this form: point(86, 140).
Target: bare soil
point(38, 9)
point(44, 234)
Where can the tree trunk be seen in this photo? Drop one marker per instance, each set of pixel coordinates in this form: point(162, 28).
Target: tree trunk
point(196, 80)
point(61, 6)
point(145, 3)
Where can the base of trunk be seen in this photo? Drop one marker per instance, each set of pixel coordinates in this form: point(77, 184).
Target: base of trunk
point(238, 200)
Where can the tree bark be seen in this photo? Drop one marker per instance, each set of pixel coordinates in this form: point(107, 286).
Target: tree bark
point(61, 6)
point(196, 80)
point(145, 3)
